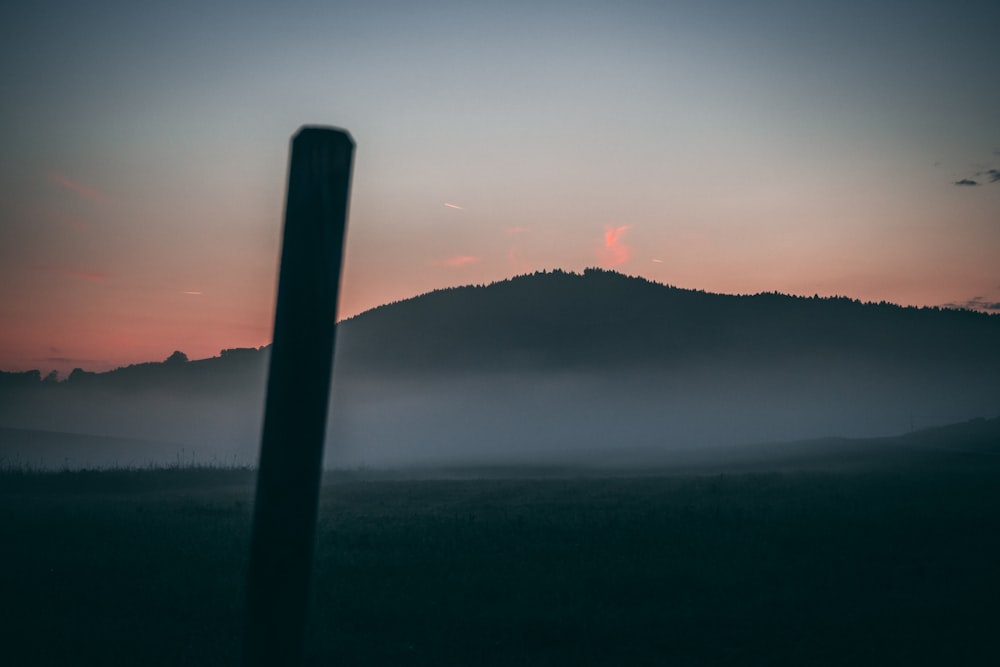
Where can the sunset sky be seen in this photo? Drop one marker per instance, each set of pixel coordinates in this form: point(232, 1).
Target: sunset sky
point(806, 147)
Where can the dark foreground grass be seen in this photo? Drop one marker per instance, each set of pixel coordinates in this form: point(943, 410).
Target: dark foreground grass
point(147, 568)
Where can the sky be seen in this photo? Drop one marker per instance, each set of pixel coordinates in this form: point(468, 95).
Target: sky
point(832, 148)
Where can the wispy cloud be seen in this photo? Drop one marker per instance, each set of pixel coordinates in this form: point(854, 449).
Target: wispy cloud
point(613, 250)
point(84, 191)
point(457, 261)
point(455, 206)
point(989, 174)
point(191, 293)
point(88, 276)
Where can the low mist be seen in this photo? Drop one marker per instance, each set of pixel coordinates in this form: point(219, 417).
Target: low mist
point(610, 419)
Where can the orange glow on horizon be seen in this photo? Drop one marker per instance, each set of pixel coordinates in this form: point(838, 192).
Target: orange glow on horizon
point(76, 331)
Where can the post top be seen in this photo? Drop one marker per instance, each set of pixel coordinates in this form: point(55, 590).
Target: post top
point(324, 133)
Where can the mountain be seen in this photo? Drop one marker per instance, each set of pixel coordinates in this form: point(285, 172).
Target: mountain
point(551, 365)
point(602, 320)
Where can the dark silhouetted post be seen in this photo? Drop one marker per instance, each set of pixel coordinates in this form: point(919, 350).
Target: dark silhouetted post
point(298, 390)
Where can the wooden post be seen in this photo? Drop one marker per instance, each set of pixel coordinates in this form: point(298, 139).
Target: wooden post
point(298, 391)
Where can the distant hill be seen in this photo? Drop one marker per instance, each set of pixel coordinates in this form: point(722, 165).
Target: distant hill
point(603, 320)
point(968, 445)
point(562, 367)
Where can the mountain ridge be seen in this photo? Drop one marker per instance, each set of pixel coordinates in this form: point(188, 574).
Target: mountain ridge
point(604, 316)
point(559, 320)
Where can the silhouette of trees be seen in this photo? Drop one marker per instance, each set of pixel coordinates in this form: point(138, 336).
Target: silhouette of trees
point(176, 358)
point(600, 319)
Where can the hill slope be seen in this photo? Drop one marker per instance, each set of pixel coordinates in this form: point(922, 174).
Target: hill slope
point(605, 319)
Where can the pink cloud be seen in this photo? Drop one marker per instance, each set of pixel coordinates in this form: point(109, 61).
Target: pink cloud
point(88, 276)
point(613, 250)
point(80, 189)
point(457, 261)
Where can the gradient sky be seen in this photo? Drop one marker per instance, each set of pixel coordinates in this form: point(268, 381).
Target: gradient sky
point(804, 147)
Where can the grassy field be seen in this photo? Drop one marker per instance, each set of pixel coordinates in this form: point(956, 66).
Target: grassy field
point(147, 568)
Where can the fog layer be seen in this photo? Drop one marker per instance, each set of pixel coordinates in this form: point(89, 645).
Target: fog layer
point(613, 419)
